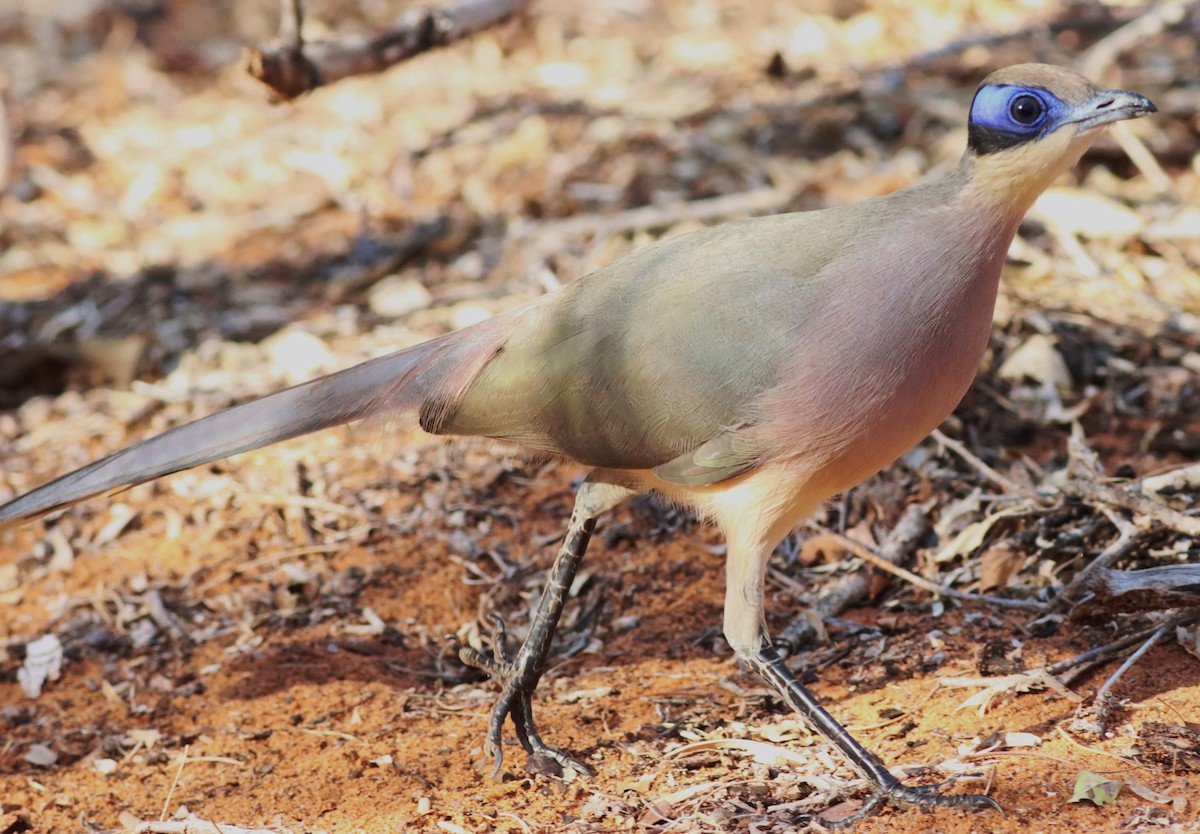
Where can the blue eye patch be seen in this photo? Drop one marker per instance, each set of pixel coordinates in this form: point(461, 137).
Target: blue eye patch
point(1003, 116)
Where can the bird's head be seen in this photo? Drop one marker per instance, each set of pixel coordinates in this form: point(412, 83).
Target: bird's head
point(1031, 122)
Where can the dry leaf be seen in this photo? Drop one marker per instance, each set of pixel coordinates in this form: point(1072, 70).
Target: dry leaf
point(997, 566)
point(1037, 359)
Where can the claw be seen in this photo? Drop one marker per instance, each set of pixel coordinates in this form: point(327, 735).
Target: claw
point(494, 745)
point(532, 742)
point(470, 656)
point(499, 640)
point(499, 665)
point(519, 676)
point(923, 796)
point(514, 702)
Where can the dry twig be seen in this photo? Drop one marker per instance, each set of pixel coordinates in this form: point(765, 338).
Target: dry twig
point(895, 548)
point(183, 757)
point(1131, 498)
point(1102, 654)
point(1102, 692)
point(1084, 481)
point(868, 555)
point(1009, 486)
point(755, 201)
point(1094, 719)
point(1142, 158)
point(1127, 537)
point(1157, 17)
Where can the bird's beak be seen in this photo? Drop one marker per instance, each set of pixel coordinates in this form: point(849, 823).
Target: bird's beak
point(1111, 106)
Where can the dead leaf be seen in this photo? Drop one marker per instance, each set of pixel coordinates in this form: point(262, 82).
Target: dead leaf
point(967, 541)
point(1149, 794)
point(823, 548)
point(997, 566)
point(1037, 359)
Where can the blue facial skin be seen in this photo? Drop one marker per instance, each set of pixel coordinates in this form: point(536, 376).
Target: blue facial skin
point(1003, 116)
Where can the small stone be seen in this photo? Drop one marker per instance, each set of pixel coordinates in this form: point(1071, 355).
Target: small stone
point(40, 755)
point(299, 356)
point(395, 296)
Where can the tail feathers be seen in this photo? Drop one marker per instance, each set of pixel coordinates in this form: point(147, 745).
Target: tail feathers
point(398, 384)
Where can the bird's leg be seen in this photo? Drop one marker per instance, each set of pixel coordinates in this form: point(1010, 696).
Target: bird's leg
point(750, 548)
point(519, 677)
point(886, 788)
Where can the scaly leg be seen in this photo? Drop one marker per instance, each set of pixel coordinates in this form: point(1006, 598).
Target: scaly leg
point(886, 788)
point(519, 677)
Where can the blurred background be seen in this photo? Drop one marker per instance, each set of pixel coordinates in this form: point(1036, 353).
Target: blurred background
point(155, 199)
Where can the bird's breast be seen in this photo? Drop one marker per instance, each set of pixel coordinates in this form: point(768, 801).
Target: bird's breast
point(888, 358)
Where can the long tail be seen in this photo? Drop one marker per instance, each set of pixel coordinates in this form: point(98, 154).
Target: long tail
point(428, 375)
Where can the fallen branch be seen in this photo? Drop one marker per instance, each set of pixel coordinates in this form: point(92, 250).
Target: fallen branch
point(897, 547)
point(1110, 592)
point(1083, 479)
point(807, 628)
point(1009, 486)
point(1102, 654)
point(1131, 498)
point(1128, 537)
point(290, 67)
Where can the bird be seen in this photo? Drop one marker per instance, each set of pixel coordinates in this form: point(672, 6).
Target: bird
point(750, 370)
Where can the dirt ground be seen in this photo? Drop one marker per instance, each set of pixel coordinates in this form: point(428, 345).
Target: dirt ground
point(270, 642)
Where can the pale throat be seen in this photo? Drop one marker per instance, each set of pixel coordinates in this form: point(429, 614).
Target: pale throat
point(1004, 185)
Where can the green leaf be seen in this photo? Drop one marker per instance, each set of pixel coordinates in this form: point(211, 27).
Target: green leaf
point(1095, 788)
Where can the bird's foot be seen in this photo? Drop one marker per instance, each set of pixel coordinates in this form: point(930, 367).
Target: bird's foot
point(905, 796)
point(518, 680)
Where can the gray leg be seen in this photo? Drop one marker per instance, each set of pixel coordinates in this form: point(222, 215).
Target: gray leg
point(886, 789)
point(519, 677)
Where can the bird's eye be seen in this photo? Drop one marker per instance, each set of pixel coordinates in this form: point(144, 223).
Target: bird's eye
point(1026, 109)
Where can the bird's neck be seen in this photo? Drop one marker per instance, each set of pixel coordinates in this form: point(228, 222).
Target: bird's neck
point(1003, 185)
